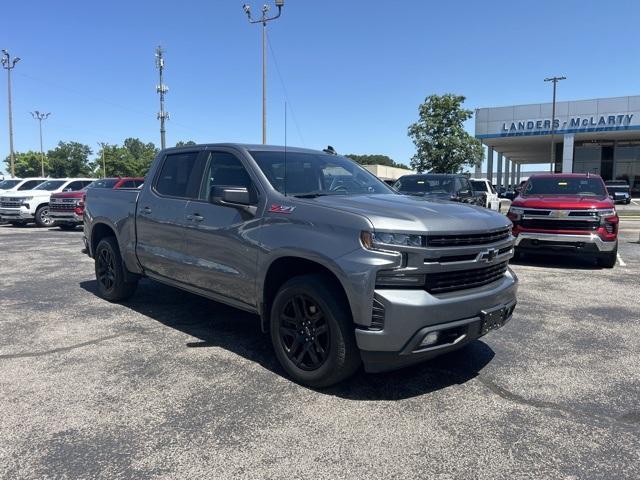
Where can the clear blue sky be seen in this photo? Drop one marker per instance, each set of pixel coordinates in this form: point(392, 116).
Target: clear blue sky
point(355, 71)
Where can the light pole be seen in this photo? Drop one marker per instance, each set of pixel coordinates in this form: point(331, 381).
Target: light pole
point(555, 81)
point(104, 163)
point(263, 20)
point(9, 64)
point(162, 90)
point(40, 116)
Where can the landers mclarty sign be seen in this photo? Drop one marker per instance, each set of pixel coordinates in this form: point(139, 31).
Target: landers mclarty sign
point(604, 122)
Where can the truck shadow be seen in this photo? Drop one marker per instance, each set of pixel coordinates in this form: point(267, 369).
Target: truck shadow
point(214, 324)
point(556, 261)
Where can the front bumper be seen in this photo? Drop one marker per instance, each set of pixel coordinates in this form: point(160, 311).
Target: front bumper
point(411, 313)
point(15, 214)
point(562, 241)
point(65, 216)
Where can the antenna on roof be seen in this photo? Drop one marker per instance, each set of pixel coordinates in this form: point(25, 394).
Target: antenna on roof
point(285, 148)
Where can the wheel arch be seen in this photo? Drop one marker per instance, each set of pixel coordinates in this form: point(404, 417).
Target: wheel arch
point(286, 267)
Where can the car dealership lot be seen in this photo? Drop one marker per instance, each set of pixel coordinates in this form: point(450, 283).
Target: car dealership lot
point(170, 385)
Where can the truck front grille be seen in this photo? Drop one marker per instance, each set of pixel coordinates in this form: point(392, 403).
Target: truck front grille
point(61, 207)
point(548, 224)
point(464, 279)
point(6, 204)
point(377, 315)
point(468, 239)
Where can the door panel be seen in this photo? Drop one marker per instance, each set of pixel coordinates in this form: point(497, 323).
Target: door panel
point(221, 240)
point(160, 216)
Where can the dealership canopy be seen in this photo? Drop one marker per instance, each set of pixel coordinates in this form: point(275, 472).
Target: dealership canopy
point(599, 136)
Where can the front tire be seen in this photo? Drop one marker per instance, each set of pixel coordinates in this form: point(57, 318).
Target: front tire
point(312, 332)
point(42, 217)
point(67, 226)
point(110, 272)
point(608, 260)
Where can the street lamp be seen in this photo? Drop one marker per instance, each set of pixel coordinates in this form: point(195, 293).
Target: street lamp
point(104, 162)
point(9, 64)
point(40, 116)
point(555, 81)
point(263, 20)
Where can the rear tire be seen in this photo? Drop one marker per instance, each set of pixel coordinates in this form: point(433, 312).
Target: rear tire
point(110, 272)
point(42, 217)
point(312, 332)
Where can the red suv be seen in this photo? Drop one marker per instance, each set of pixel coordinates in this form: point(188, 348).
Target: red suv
point(566, 213)
point(67, 208)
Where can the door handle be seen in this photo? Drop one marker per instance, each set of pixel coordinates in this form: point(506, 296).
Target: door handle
point(146, 210)
point(195, 217)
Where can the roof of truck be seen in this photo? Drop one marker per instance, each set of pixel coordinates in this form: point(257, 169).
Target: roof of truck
point(565, 175)
point(250, 147)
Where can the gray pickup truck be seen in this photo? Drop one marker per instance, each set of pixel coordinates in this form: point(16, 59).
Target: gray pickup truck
point(341, 269)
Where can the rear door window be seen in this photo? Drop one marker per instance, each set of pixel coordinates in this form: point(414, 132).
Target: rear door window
point(180, 175)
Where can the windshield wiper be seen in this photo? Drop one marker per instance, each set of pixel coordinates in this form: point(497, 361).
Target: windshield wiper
point(311, 195)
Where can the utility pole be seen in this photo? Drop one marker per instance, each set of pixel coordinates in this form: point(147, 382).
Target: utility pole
point(263, 20)
point(104, 163)
point(40, 116)
point(162, 89)
point(9, 64)
point(555, 81)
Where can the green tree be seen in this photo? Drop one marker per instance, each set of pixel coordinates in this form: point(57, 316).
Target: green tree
point(69, 159)
point(188, 143)
point(132, 159)
point(375, 160)
point(28, 164)
point(442, 143)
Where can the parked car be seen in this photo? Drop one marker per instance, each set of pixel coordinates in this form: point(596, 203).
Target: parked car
point(27, 206)
point(439, 186)
point(566, 214)
point(619, 190)
point(66, 209)
point(484, 186)
point(340, 273)
point(18, 184)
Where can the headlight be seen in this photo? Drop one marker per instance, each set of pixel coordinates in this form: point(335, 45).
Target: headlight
point(385, 239)
point(515, 213)
point(607, 212)
point(23, 199)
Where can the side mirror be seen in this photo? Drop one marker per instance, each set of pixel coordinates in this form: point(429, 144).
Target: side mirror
point(233, 197)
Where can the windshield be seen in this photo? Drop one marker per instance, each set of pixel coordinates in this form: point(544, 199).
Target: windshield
point(104, 183)
point(479, 186)
point(51, 185)
point(618, 188)
point(7, 184)
point(315, 174)
point(426, 184)
point(593, 186)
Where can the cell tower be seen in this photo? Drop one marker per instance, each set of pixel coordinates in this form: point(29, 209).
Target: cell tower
point(162, 89)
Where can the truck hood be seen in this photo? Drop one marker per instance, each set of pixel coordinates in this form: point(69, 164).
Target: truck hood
point(562, 202)
point(76, 194)
point(403, 213)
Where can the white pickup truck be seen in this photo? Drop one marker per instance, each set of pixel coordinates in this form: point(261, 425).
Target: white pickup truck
point(10, 185)
point(26, 206)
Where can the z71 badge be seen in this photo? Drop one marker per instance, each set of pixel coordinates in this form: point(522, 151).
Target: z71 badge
point(286, 209)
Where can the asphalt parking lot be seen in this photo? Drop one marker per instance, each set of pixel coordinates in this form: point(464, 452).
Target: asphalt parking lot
point(170, 385)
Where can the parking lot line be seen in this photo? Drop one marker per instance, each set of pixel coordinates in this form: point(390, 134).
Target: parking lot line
point(621, 262)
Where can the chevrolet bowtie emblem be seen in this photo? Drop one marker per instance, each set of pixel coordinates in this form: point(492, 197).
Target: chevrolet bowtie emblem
point(489, 255)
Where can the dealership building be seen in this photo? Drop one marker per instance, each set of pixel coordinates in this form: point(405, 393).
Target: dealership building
point(599, 136)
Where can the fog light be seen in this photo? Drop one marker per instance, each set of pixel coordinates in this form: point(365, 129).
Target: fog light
point(429, 339)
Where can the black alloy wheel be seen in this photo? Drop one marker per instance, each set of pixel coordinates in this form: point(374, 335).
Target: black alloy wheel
point(105, 269)
point(304, 332)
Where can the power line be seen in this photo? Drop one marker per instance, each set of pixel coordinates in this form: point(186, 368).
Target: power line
point(284, 89)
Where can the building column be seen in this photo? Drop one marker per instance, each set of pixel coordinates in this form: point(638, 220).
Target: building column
point(514, 165)
point(490, 164)
point(499, 172)
point(567, 153)
point(506, 172)
point(519, 177)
